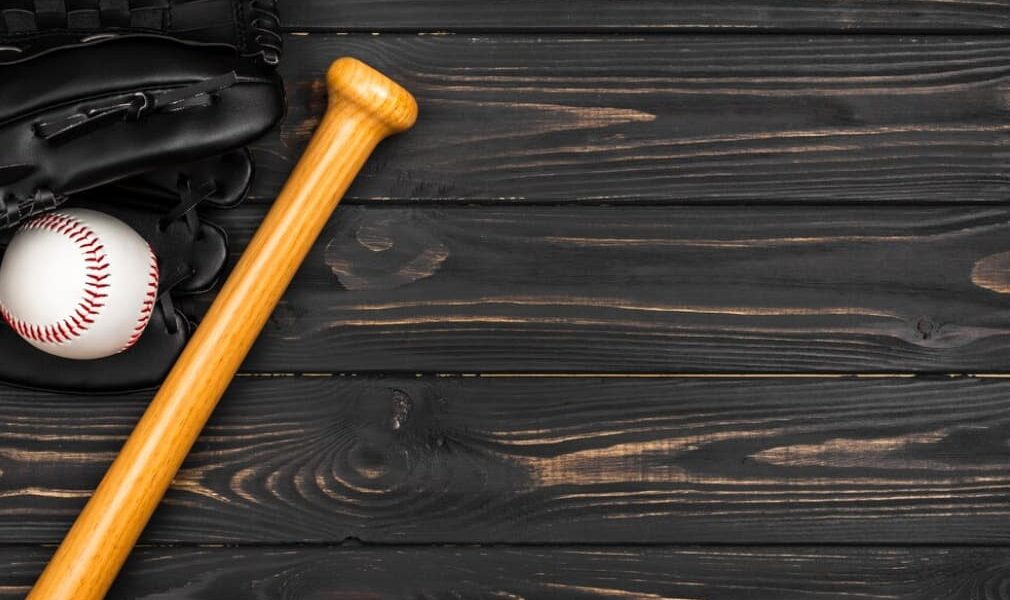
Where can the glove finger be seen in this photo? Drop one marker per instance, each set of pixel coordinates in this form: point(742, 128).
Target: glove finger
point(251, 27)
point(123, 107)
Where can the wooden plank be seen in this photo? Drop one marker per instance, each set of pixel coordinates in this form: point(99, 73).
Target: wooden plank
point(727, 573)
point(645, 289)
point(763, 119)
point(559, 460)
point(647, 16)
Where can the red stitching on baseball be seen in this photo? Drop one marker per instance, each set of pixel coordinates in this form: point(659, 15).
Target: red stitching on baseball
point(90, 304)
point(151, 297)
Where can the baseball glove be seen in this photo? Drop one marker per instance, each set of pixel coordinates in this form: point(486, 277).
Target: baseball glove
point(141, 109)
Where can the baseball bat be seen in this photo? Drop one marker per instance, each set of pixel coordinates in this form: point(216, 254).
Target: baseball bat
point(364, 107)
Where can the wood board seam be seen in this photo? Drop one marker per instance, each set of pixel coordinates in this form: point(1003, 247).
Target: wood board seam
point(302, 30)
point(620, 375)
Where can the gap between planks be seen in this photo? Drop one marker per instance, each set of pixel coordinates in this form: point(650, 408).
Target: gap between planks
point(701, 30)
point(825, 375)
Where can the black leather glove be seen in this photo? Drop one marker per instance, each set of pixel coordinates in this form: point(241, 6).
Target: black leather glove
point(141, 109)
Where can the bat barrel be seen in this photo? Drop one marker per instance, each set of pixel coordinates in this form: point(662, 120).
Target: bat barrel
point(364, 107)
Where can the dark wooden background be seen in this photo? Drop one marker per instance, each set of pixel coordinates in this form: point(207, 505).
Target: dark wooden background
point(661, 299)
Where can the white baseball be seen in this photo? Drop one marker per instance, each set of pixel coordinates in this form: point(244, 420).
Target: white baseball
point(78, 283)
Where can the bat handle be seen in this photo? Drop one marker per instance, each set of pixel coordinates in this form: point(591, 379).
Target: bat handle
point(364, 107)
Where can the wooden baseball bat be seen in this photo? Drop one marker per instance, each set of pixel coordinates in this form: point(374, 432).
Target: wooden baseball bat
point(364, 108)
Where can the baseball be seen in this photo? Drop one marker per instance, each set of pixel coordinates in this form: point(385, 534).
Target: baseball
point(78, 284)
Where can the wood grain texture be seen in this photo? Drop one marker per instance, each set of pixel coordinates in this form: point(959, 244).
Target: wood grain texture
point(585, 573)
point(646, 15)
point(556, 460)
point(645, 289)
point(673, 118)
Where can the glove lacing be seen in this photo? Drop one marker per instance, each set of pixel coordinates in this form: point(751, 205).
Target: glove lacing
point(14, 210)
point(191, 194)
point(267, 29)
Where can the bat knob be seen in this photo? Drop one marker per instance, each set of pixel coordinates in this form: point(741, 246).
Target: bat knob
point(350, 80)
